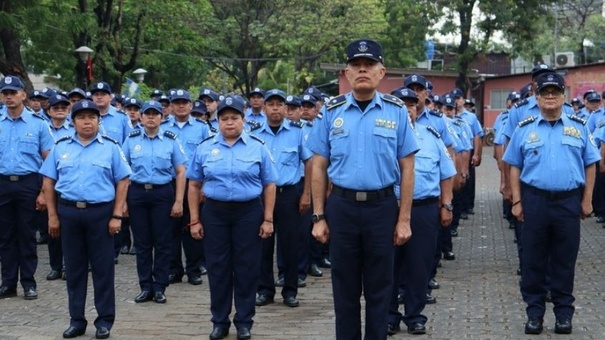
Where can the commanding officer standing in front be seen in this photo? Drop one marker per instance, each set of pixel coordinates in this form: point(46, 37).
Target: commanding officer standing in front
point(234, 170)
point(552, 157)
point(89, 174)
point(24, 142)
point(155, 156)
point(365, 143)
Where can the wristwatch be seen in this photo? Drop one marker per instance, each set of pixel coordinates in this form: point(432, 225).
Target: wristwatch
point(316, 218)
point(465, 176)
point(448, 206)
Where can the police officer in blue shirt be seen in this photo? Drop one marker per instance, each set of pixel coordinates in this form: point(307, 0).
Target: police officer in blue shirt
point(233, 169)
point(211, 99)
point(596, 114)
point(285, 140)
point(34, 102)
point(155, 156)
point(24, 142)
point(431, 209)
point(199, 110)
point(365, 143)
point(257, 100)
point(156, 94)
point(85, 185)
point(552, 157)
point(75, 95)
point(114, 123)
point(190, 132)
point(132, 108)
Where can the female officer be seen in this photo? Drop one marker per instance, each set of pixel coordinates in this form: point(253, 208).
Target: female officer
point(154, 155)
point(90, 175)
point(234, 169)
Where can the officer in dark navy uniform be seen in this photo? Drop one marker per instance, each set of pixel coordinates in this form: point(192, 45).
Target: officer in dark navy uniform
point(24, 142)
point(366, 145)
point(234, 170)
point(552, 157)
point(85, 185)
point(155, 156)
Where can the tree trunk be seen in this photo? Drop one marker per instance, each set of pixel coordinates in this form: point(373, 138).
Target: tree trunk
point(13, 63)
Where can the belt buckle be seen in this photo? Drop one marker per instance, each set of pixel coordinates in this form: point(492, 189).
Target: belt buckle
point(361, 196)
point(13, 178)
point(148, 186)
point(81, 205)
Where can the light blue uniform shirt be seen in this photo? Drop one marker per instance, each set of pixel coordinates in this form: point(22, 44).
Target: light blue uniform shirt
point(522, 110)
point(435, 119)
point(459, 145)
point(552, 158)
point(66, 129)
point(595, 118)
point(22, 141)
point(235, 173)
point(190, 135)
point(583, 113)
point(473, 123)
point(86, 173)
point(114, 124)
point(363, 148)
point(599, 134)
point(288, 150)
point(153, 160)
point(261, 117)
point(213, 125)
point(501, 120)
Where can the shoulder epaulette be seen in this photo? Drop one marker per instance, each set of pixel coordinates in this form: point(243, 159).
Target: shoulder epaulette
point(37, 115)
point(434, 131)
point(567, 104)
point(170, 134)
point(601, 124)
point(336, 101)
point(504, 112)
point(62, 139)
point(134, 133)
point(122, 112)
point(298, 124)
point(436, 113)
point(457, 122)
point(319, 116)
point(201, 120)
point(521, 103)
point(254, 125)
point(206, 139)
point(526, 121)
point(577, 119)
point(258, 139)
point(212, 128)
point(110, 139)
point(393, 99)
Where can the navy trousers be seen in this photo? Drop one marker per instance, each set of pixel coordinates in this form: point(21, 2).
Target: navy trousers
point(18, 217)
point(361, 250)
point(86, 239)
point(551, 240)
point(233, 252)
point(152, 230)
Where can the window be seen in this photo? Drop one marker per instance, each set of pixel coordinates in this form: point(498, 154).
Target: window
point(498, 99)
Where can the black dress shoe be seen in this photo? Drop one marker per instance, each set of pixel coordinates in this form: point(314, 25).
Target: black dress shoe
point(416, 328)
point(195, 280)
point(219, 332)
point(464, 216)
point(29, 293)
point(563, 326)
point(291, 301)
point(600, 219)
point(133, 251)
point(470, 211)
point(203, 270)
point(279, 282)
point(449, 256)
point(143, 296)
point(325, 263)
point(400, 299)
point(159, 297)
point(53, 275)
point(115, 260)
point(454, 233)
point(548, 297)
point(430, 299)
point(173, 278)
point(534, 326)
point(124, 250)
point(301, 283)
point(243, 333)
point(73, 332)
point(433, 284)
point(315, 271)
point(263, 300)
point(42, 240)
point(393, 329)
point(102, 333)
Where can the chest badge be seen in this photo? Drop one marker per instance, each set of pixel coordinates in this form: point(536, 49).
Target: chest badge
point(215, 152)
point(338, 122)
point(137, 148)
point(533, 137)
point(65, 156)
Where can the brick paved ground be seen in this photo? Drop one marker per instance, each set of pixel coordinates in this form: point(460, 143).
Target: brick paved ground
point(479, 297)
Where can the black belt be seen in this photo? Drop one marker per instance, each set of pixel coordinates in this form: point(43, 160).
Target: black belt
point(363, 196)
point(553, 195)
point(80, 205)
point(231, 204)
point(425, 201)
point(148, 186)
point(17, 178)
point(285, 188)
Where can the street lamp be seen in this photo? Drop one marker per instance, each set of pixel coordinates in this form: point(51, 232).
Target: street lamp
point(84, 53)
point(139, 74)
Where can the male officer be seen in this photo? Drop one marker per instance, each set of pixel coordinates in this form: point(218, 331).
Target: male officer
point(285, 140)
point(211, 99)
point(365, 143)
point(132, 107)
point(34, 101)
point(431, 209)
point(596, 114)
point(76, 95)
point(114, 123)
point(549, 196)
point(85, 184)
point(24, 142)
point(255, 112)
point(190, 133)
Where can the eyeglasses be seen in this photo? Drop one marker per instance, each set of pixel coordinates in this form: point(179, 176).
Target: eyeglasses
point(554, 93)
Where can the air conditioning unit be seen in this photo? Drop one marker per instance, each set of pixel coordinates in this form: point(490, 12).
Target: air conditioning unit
point(565, 59)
